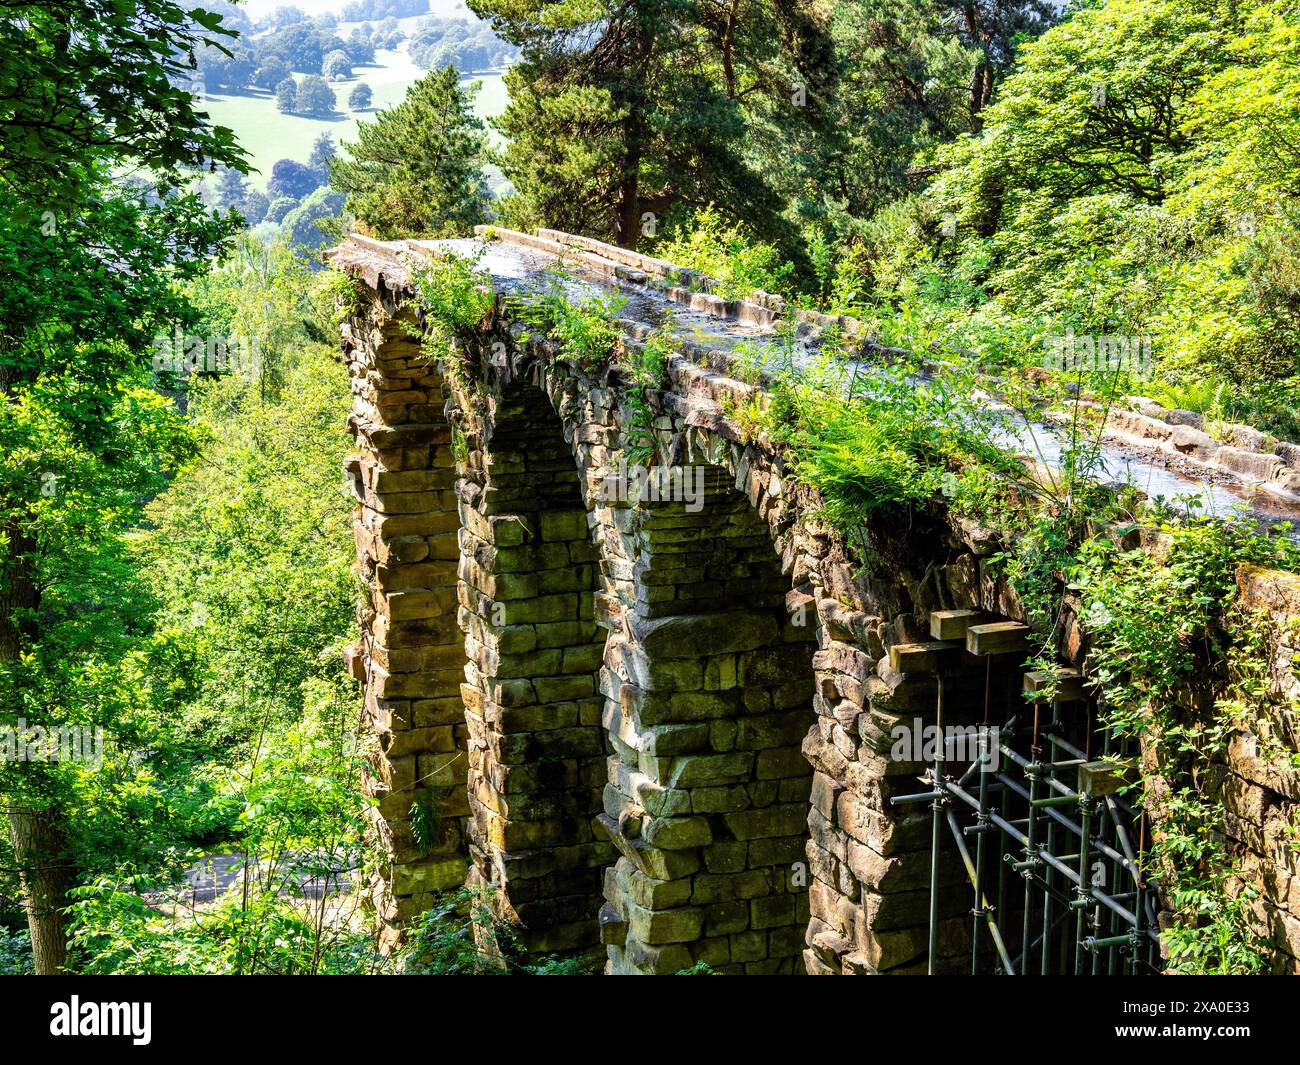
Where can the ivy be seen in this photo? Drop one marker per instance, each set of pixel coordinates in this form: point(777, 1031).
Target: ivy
point(1152, 627)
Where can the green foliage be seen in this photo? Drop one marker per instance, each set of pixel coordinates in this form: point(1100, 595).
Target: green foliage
point(296, 816)
point(896, 443)
point(647, 371)
point(313, 222)
point(1203, 395)
point(93, 90)
point(910, 76)
point(462, 935)
point(414, 170)
point(15, 952)
point(1118, 187)
point(69, 108)
point(700, 968)
point(175, 553)
point(619, 110)
point(587, 330)
point(707, 243)
point(426, 820)
point(1151, 626)
point(455, 297)
point(339, 293)
point(244, 594)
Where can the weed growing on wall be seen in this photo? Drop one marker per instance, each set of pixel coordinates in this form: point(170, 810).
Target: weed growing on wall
point(647, 367)
point(587, 330)
point(455, 297)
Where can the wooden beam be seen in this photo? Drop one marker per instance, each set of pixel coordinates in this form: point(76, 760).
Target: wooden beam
point(952, 624)
point(1068, 684)
point(997, 638)
point(924, 657)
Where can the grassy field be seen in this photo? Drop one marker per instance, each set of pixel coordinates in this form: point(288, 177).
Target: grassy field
point(268, 136)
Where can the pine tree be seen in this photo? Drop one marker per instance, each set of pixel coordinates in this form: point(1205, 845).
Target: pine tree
point(620, 112)
point(416, 169)
point(322, 151)
point(231, 188)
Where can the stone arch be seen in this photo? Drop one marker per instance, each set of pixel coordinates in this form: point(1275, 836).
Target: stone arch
point(709, 695)
point(868, 856)
point(433, 455)
point(528, 574)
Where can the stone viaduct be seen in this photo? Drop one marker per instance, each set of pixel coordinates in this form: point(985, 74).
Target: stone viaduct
point(658, 724)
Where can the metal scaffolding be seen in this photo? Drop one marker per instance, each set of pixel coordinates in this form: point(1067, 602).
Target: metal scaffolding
point(1040, 796)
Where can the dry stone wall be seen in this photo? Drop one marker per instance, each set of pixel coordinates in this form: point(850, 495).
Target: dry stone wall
point(653, 719)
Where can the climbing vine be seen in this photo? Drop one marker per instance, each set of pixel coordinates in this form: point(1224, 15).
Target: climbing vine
point(1152, 627)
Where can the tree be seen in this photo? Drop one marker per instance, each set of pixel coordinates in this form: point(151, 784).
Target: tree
point(1132, 177)
point(293, 179)
point(992, 30)
point(908, 76)
point(322, 151)
point(279, 207)
point(302, 45)
point(619, 111)
point(229, 67)
point(83, 440)
point(336, 65)
point(253, 206)
point(315, 97)
point(361, 50)
point(360, 97)
point(301, 223)
point(231, 188)
point(287, 15)
point(415, 169)
point(64, 106)
point(271, 72)
point(286, 96)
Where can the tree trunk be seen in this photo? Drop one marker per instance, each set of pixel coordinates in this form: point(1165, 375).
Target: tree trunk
point(978, 97)
point(627, 224)
point(46, 876)
point(627, 216)
point(44, 869)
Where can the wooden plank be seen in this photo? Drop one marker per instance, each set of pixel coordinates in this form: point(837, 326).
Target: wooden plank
point(952, 624)
point(924, 657)
point(997, 638)
point(1067, 682)
point(1103, 777)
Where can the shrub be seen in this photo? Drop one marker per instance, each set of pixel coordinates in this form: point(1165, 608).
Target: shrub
point(708, 243)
